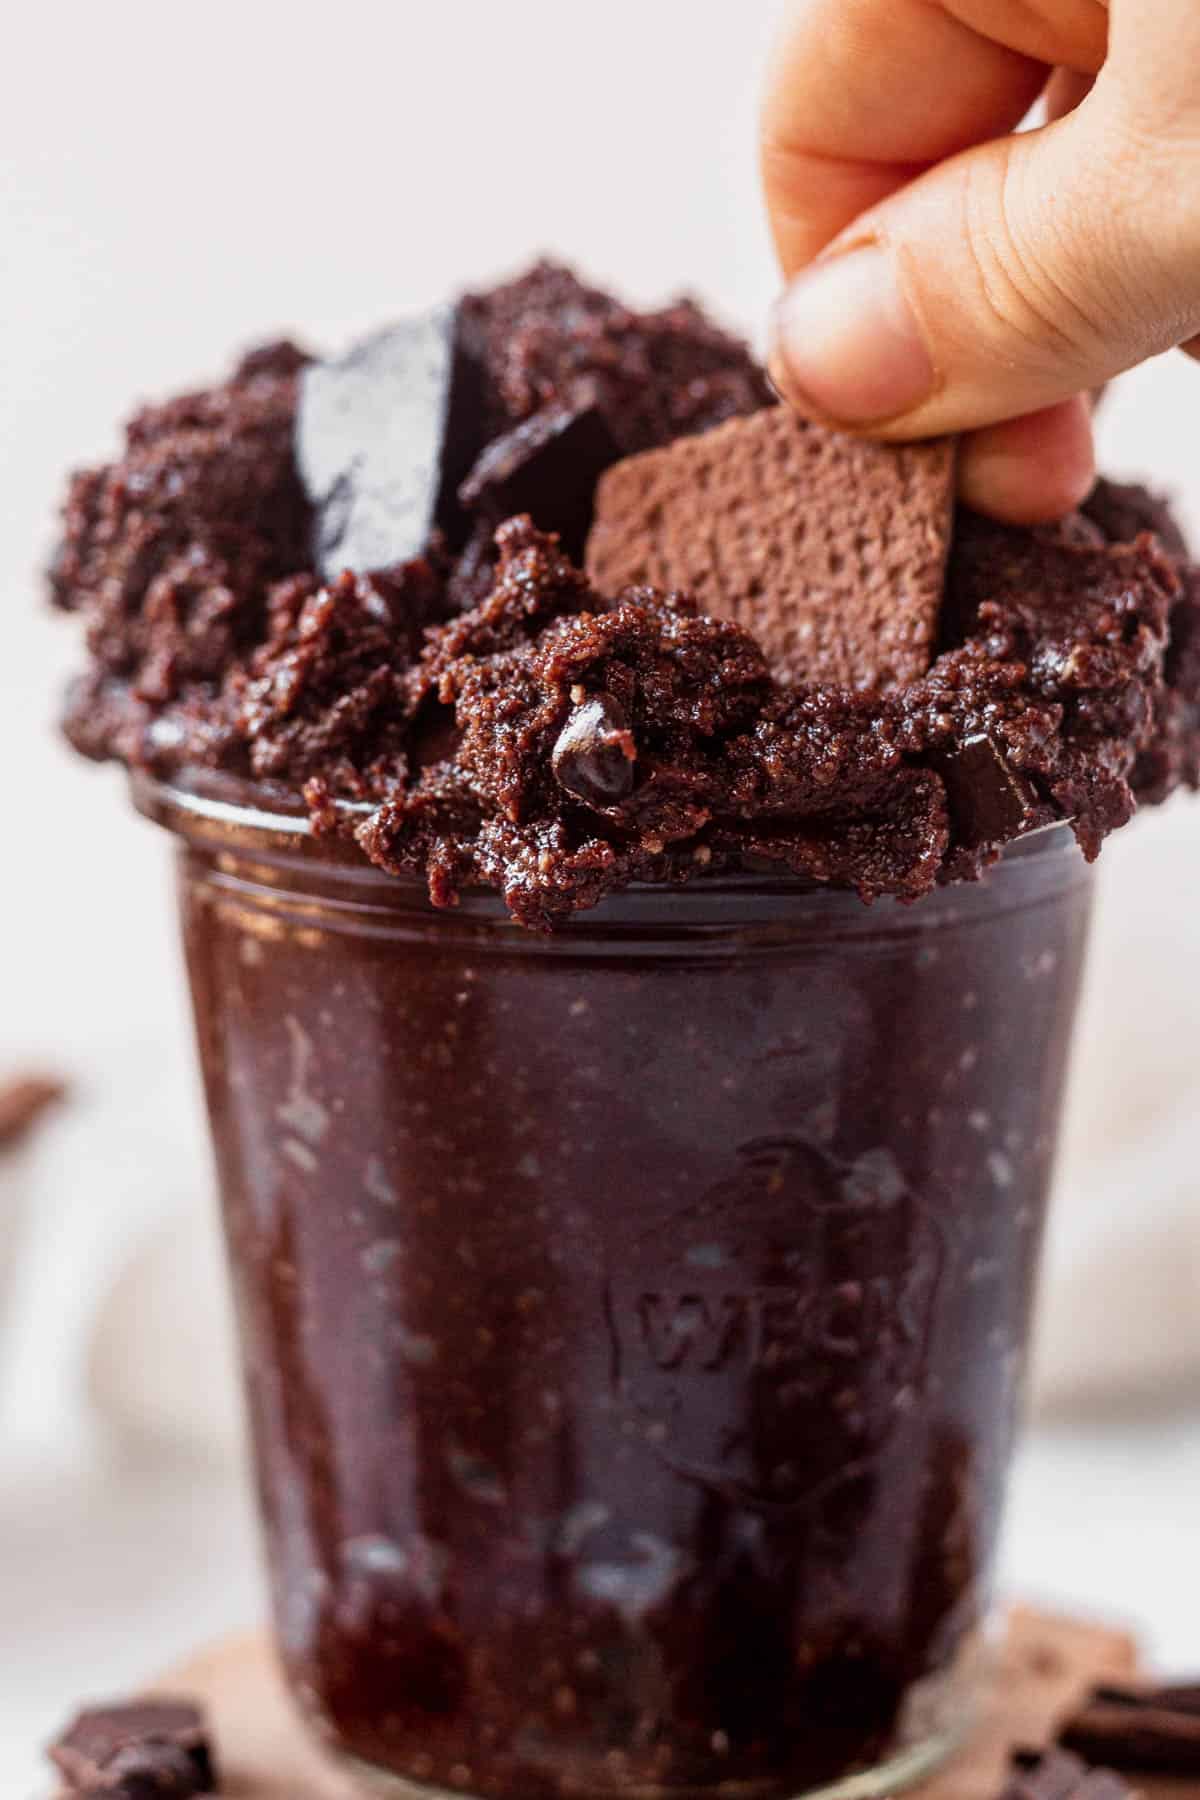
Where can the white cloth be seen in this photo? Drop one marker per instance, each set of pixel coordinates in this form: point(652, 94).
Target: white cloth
point(1120, 1315)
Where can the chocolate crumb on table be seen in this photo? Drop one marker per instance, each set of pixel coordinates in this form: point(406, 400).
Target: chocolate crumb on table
point(1146, 1729)
point(138, 1750)
point(1046, 1663)
point(22, 1102)
point(1058, 1775)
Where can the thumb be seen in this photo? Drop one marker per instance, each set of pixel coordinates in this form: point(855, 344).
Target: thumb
point(1001, 282)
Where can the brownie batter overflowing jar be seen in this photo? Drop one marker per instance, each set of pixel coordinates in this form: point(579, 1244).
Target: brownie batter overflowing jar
point(633, 1317)
point(633, 1231)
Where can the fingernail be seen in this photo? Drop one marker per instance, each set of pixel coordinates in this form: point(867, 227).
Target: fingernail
point(845, 343)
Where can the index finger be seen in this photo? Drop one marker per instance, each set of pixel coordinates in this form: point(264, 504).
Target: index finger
point(863, 95)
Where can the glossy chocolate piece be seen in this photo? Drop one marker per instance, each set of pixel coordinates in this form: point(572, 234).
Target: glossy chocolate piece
point(384, 435)
point(990, 802)
point(136, 1750)
point(548, 467)
point(1148, 1730)
point(594, 753)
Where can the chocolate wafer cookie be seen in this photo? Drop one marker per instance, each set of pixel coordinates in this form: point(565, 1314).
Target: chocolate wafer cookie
point(831, 550)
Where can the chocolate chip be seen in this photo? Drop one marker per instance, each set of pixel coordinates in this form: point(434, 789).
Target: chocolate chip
point(990, 802)
point(594, 753)
point(548, 467)
point(384, 436)
point(22, 1102)
point(1057, 1775)
point(144, 1750)
point(1145, 1729)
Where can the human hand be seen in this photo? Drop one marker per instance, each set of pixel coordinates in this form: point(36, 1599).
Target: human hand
point(947, 273)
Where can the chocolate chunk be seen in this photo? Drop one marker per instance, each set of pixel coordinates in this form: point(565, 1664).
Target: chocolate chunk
point(143, 1750)
point(22, 1102)
point(1057, 1775)
point(1144, 1729)
point(145, 1772)
point(1182, 1696)
point(548, 467)
point(1176, 1696)
point(384, 436)
point(990, 802)
point(594, 754)
point(831, 550)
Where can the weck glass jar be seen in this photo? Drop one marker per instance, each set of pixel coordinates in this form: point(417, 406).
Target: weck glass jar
point(632, 1318)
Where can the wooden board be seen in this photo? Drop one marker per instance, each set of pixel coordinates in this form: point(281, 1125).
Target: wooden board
point(1045, 1665)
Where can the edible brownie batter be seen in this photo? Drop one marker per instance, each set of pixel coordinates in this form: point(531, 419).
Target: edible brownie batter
point(429, 707)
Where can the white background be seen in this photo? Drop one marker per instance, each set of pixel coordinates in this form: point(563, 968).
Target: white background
point(175, 182)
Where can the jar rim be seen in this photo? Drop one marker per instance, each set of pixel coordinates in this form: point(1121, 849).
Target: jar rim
point(243, 819)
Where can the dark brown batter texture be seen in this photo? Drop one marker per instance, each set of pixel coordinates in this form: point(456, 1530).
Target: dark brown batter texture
point(547, 340)
point(492, 718)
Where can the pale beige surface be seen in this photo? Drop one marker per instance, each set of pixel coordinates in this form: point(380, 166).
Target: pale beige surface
point(1046, 1664)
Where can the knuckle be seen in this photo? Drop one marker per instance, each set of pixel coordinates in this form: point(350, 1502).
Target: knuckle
point(781, 161)
point(1034, 262)
point(1152, 174)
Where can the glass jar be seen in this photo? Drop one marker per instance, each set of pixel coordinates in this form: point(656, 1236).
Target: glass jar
point(633, 1319)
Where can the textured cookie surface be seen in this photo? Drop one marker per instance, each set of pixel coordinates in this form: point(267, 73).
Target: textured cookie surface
point(831, 550)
